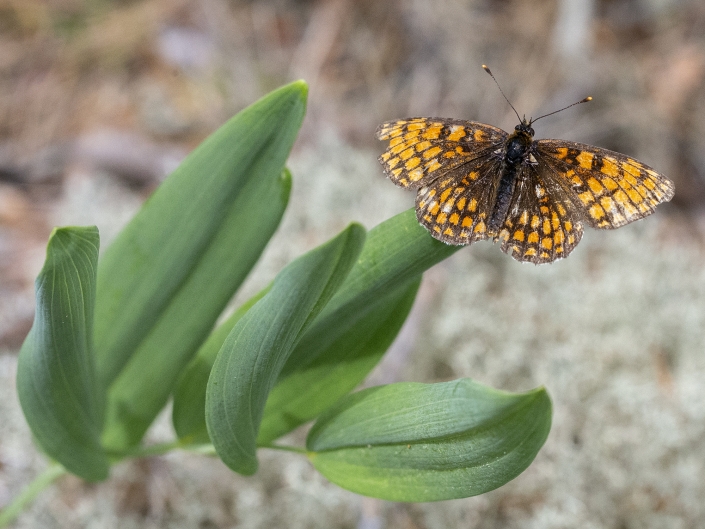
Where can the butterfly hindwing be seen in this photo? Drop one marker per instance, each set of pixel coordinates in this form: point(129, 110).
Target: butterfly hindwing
point(541, 224)
point(455, 208)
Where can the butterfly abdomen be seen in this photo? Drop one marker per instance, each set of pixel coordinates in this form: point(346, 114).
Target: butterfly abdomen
point(515, 150)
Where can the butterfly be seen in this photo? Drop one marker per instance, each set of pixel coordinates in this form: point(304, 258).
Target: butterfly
point(476, 182)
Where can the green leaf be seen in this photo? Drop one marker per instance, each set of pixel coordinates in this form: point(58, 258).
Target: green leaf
point(169, 274)
point(342, 357)
point(328, 361)
point(189, 411)
point(396, 251)
point(255, 351)
point(56, 379)
point(425, 442)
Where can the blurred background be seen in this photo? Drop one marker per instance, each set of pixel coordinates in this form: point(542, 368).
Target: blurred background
point(101, 99)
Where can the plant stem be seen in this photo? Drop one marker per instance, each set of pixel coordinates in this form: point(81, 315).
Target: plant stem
point(296, 449)
point(150, 451)
point(42, 481)
point(163, 448)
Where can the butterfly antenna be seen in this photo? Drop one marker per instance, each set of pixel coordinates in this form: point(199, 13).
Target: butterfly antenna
point(484, 67)
point(589, 98)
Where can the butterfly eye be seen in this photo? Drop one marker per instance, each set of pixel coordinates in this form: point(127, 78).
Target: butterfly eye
point(531, 131)
point(518, 127)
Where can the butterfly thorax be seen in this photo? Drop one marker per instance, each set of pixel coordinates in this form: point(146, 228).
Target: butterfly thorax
point(515, 151)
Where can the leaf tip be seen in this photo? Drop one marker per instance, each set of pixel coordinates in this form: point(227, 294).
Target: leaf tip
point(302, 87)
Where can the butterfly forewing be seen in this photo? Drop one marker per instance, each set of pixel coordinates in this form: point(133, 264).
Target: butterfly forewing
point(612, 189)
point(421, 150)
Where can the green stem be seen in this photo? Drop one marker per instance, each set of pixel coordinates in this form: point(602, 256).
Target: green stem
point(163, 448)
point(42, 481)
point(296, 449)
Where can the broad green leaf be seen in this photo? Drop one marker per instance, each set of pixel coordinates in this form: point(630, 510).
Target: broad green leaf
point(396, 252)
point(169, 274)
point(425, 442)
point(254, 352)
point(342, 359)
point(56, 380)
point(189, 411)
point(134, 399)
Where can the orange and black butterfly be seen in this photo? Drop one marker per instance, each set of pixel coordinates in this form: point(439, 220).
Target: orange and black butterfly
point(475, 182)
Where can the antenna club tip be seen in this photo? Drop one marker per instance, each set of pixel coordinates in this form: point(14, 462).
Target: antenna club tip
point(588, 98)
point(484, 67)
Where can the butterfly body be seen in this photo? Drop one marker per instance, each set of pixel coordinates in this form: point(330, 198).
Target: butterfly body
point(517, 148)
point(476, 182)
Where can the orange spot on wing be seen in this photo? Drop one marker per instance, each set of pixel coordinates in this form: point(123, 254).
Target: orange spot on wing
point(586, 198)
point(432, 165)
point(546, 226)
point(610, 184)
point(415, 125)
point(596, 212)
point(595, 186)
point(433, 132)
point(416, 174)
point(430, 153)
point(609, 167)
point(635, 196)
point(407, 153)
point(456, 132)
point(411, 163)
point(585, 159)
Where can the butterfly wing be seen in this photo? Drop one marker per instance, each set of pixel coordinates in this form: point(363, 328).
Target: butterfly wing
point(421, 150)
point(609, 188)
point(542, 223)
point(455, 207)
